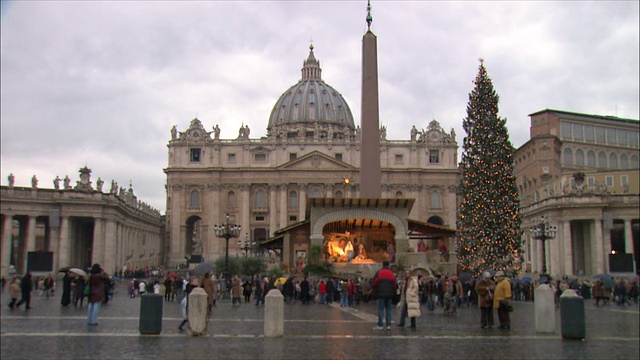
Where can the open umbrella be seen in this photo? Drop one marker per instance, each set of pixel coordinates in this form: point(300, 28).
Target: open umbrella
point(280, 281)
point(607, 280)
point(173, 276)
point(203, 268)
point(78, 272)
point(465, 276)
point(526, 279)
point(67, 268)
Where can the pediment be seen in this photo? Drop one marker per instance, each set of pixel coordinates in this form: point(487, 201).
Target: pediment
point(316, 161)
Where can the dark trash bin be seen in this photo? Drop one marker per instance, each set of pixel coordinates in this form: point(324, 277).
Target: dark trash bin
point(151, 314)
point(572, 317)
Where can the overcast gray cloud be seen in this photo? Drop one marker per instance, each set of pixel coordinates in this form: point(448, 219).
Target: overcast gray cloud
point(102, 83)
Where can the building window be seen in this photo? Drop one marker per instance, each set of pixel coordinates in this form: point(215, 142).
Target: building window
point(579, 157)
point(293, 218)
point(609, 180)
point(260, 157)
point(315, 193)
point(194, 155)
point(611, 136)
point(602, 160)
point(338, 194)
point(577, 132)
point(231, 157)
point(591, 181)
point(565, 130)
point(545, 154)
point(568, 156)
point(589, 134)
point(293, 156)
point(339, 157)
point(632, 138)
point(398, 158)
point(399, 194)
point(434, 157)
point(260, 199)
point(634, 162)
point(624, 162)
point(435, 200)
point(613, 160)
point(293, 200)
point(194, 200)
point(259, 218)
point(600, 135)
point(622, 137)
point(624, 180)
point(231, 199)
point(591, 158)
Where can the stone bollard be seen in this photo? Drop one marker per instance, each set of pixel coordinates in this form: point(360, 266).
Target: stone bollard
point(274, 314)
point(545, 309)
point(572, 318)
point(197, 315)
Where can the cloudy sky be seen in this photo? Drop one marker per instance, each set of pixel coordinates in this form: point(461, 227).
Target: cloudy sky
point(101, 83)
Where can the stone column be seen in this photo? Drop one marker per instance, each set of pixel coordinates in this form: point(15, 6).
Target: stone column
point(273, 314)
point(245, 220)
point(273, 213)
point(302, 194)
point(214, 243)
point(597, 259)
point(30, 241)
point(97, 253)
point(7, 231)
point(284, 208)
point(567, 243)
point(606, 242)
point(63, 244)
point(628, 242)
point(545, 309)
point(110, 263)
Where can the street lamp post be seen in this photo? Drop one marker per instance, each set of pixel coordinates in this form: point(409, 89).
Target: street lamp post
point(543, 232)
point(227, 231)
point(246, 245)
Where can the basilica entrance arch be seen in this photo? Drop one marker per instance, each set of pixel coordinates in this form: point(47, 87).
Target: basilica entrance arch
point(194, 238)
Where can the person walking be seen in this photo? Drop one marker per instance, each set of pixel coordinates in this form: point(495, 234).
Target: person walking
point(485, 288)
point(78, 291)
point(207, 285)
point(409, 303)
point(66, 289)
point(304, 291)
point(501, 299)
point(26, 286)
point(385, 283)
point(168, 289)
point(48, 286)
point(236, 291)
point(14, 291)
point(96, 293)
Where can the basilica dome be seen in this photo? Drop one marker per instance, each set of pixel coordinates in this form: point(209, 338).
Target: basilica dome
point(311, 102)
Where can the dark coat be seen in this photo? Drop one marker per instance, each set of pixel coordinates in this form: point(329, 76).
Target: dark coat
point(96, 287)
point(386, 283)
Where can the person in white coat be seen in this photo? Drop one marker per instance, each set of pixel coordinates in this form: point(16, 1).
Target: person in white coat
point(409, 303)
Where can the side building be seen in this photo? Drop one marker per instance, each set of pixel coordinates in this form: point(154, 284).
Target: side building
point(581, 173)
point(47, 229)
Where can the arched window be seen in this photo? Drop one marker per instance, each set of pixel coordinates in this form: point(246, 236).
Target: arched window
point(260, 199)
point(231, 199)
point(194, 200)
point(315, 193)
point(399, 195)
point(634, 162)
point(624, 162)
point(602, 159)
point(435, 200)
point(591, 158)
point(339, 195)
point(293, 200)
point(613, 160)
point(579, 157)
point(568, 156)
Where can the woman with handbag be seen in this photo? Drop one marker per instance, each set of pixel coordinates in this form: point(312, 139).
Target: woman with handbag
point(485, 289)
point(501, 299)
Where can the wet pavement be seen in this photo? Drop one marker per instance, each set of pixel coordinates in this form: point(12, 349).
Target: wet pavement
point(49, 331)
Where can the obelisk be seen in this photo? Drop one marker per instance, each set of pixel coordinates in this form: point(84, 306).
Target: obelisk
point(370, 187)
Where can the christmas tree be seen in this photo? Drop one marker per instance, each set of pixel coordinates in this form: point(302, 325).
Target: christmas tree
point(489, 220)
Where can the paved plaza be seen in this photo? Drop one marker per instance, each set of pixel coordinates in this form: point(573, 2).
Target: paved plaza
point(49, 331)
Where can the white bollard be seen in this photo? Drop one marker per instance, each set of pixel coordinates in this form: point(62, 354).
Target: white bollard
point(274, 314)
point(197, 311)
point(545, 309)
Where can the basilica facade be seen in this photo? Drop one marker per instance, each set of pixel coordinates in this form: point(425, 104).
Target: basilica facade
point(312, 150)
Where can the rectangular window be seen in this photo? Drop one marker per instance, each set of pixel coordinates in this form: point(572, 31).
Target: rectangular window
point(589, 134)
point(622, 137)
point(259, 218)
point(293, 218)
point(609, 181)
point(565, 130)
point(591, 181)
point(260, 157)
point(339, 157)
point(545, 154)
point(398, 158)
point(231, 158)
point(624, 180)
point(632, 138)
point(600, 135)
point(194, 155)
point(611, 136)
point(293, 156)
point(434, 157)
point(577, 132)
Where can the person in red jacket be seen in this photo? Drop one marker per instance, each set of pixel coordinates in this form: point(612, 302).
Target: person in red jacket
point(386, 284)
